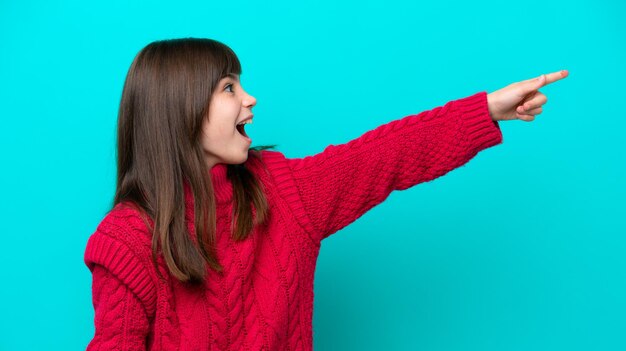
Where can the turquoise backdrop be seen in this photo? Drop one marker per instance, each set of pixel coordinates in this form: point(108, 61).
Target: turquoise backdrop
point(524, 248)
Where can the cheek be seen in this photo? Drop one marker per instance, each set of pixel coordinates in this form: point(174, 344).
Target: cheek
point(216, 133)
point(223, 115)
point(209, 133)
point(224, 129)
point(225, 107)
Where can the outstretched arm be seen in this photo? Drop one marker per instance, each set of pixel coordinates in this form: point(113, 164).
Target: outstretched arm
point(341, 183)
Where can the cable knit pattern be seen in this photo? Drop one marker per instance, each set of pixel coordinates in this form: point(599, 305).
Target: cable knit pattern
point(121, 321)
point(263, 300)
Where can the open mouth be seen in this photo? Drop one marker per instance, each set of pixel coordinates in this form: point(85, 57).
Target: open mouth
point(241, 129)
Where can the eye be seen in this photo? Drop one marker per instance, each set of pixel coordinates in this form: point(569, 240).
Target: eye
point(229, 86)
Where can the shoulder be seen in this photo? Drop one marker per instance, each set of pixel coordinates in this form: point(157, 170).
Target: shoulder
point(283, 189)
point(264, 159)
point(271, 167)
point(124, 225)
point(123, 230)
point(122, 235)
point(122, 245)
point(269, 163)
point(127, 223)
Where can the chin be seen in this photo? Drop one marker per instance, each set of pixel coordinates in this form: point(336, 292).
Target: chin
point(243, 159)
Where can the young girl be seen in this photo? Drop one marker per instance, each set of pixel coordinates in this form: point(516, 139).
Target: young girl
point(212, 244)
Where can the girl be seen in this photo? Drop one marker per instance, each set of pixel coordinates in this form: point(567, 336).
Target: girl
point(212, 244)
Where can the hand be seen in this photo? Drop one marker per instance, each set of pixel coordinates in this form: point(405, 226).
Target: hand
point(521, 100)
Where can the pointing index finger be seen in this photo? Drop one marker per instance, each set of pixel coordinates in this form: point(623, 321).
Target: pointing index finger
point(553, 77)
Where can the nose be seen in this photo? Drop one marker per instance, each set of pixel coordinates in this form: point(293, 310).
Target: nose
point(250, 100)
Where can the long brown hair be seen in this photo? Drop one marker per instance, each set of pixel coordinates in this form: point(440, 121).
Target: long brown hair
point(165, 99)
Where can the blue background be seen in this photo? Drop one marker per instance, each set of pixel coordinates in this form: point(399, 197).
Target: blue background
point(523, 248)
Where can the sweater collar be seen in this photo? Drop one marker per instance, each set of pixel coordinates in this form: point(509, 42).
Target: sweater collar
point(222, 186)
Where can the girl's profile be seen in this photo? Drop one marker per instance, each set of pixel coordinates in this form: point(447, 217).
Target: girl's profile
point(212, 243)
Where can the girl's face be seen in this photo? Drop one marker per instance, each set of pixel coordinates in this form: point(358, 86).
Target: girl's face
point(221, 141)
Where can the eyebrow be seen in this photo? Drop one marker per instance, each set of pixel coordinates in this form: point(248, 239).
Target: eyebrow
point(233, 76)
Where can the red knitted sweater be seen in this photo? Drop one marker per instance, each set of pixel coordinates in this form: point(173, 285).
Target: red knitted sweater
point(263, 300)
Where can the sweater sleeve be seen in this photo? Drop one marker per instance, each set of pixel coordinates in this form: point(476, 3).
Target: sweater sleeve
point(341, 183)
point(120, 319)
